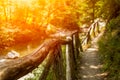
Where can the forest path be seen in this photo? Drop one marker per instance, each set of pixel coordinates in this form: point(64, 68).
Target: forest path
point(89, 65)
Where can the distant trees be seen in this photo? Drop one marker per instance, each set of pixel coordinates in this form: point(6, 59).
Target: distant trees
point(23, 22)
point(19, 25)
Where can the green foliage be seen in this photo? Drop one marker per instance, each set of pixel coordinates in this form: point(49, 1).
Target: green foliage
point(110, 8)
point(114, 24)
point(109, 47)
point(37, 72)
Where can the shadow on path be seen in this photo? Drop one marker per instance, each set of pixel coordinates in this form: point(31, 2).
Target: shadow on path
point(90, 67)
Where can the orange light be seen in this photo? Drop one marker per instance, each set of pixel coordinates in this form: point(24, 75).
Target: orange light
point(49, 28)
point(23, 1)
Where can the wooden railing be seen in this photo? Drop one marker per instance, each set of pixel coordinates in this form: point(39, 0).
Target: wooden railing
point(92, 33)
point(73, 52)
point(64, 65)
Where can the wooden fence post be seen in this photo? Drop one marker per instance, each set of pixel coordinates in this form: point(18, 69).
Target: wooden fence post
point(88, 38)
point(97, 28)
point(77, 43)
point(46, 70)
point(93, 30)
point(70, 61)
point(58, 65)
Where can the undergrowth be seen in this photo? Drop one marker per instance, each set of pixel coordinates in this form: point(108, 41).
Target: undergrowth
point(109, 48)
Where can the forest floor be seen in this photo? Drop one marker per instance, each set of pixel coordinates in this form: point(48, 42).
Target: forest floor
point(90, 67)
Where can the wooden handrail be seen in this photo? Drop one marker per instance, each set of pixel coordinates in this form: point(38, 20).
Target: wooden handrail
point(16, 68)
point(91, 29)
point(72, 53)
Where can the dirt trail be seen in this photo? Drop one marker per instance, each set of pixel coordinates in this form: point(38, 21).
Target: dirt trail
point(90, 66)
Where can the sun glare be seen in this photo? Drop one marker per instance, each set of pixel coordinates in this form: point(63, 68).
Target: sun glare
point(26, 1)
point(23, 2)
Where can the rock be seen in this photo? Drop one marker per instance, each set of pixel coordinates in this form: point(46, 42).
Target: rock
point(12, 54)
